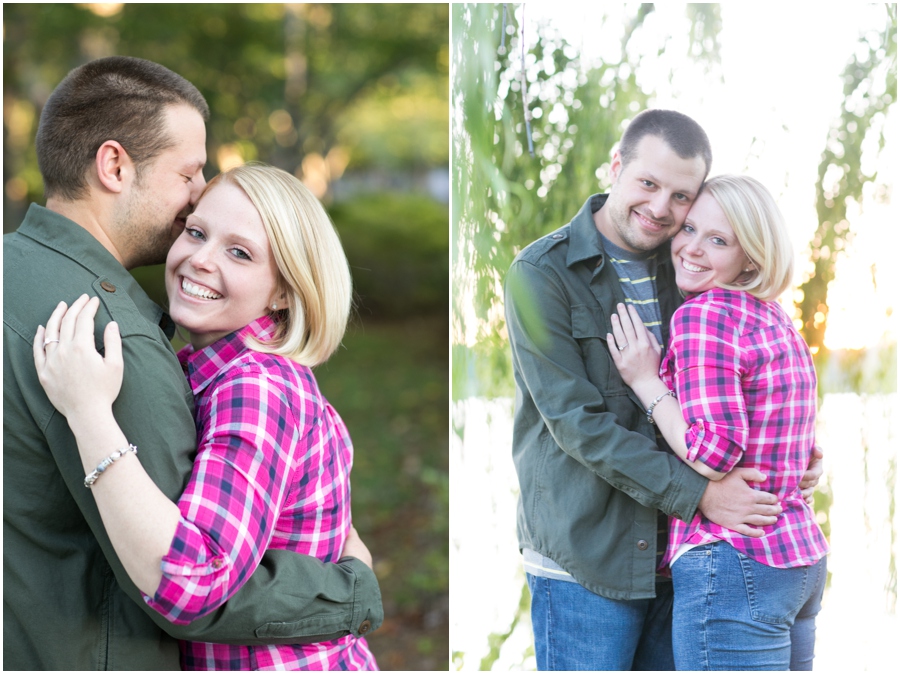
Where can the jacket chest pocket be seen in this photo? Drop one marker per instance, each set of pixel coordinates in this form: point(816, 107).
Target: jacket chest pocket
point(590, 325)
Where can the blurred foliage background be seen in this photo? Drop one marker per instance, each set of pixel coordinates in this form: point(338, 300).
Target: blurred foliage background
point(534, 120)
point(352, 99)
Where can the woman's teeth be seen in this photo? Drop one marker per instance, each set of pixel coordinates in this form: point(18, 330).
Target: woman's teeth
point(198, 291)
point(692, 267)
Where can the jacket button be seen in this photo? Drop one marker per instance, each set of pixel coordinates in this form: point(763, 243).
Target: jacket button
point(642, 545)
point(107, 286)
point(365, 626)
point(557, 236)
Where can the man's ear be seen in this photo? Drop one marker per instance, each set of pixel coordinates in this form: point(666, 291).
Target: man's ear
point(113, 165)
point(615, 167)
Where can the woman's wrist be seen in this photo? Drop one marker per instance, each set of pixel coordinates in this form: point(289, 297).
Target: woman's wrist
point(648, 389)
point(90, 421)
point(97, 435)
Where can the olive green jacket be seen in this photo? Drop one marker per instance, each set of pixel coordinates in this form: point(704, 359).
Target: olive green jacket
point(590, 473)
point(67, 601)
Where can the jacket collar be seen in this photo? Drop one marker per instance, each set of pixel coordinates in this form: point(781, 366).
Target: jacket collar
point(73, 241)
point(584, 238)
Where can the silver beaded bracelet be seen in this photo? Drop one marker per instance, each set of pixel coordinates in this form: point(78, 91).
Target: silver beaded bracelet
point(655, 403)
point(106, 463)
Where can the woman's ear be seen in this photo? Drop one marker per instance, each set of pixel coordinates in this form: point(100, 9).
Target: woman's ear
point(114, 166)
point(278, 302)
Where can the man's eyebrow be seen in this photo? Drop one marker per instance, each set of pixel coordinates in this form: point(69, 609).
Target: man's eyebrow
point(196, 165)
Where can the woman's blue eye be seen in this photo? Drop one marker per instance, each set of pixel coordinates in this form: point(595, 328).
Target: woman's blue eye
point(194, 233)
point(240, 253)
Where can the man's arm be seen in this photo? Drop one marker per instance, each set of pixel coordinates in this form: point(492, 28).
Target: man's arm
point(732, 503)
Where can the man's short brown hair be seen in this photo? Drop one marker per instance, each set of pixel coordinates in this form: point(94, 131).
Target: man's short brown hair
point(680, 132)
point(116, 98)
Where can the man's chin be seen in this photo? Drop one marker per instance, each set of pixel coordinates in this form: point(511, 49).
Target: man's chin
point(645, 242)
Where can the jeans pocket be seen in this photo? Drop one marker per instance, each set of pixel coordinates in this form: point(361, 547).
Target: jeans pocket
point(775, 595)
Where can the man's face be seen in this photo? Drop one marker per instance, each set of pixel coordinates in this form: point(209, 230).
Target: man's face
point(153, 214)
point(651, 196)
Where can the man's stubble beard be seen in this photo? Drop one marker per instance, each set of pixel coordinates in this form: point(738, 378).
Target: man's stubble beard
point(620, 219)
point(144, 234)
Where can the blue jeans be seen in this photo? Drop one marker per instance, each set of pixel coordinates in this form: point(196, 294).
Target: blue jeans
point(733, 613)
point(577, 630)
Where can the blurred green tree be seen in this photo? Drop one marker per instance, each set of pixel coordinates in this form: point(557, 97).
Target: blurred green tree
point(870, 89)
point(316, 89)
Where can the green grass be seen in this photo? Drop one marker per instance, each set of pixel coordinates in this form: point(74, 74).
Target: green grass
point(390, 384)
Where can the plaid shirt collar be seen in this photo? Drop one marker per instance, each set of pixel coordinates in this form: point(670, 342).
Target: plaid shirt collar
point(202, 366)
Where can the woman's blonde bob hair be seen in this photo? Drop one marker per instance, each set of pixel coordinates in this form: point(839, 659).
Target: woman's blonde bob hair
point(313, 270)
point(760, 230)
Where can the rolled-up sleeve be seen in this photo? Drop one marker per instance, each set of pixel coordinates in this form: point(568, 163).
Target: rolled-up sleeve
point(704, 363)
point(240, 480)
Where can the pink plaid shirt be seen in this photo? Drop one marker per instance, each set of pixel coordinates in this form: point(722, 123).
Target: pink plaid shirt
point(272, 471)
point(747, 386)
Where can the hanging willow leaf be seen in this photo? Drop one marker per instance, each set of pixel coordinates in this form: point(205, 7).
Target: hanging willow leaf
point(870, 88)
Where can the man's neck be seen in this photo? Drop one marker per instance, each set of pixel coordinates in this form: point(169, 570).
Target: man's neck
point(87, 216)
point(602, 223)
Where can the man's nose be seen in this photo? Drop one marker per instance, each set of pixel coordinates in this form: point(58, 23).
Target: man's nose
point(659, 206)
point(197, 185)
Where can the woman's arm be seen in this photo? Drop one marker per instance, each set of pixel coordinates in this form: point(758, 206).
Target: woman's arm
point(636, 353)
point(190, 557)
point(83, 385)
point(290, 598)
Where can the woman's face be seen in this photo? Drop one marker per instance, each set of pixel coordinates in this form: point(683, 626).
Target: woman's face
point(705, 251)
point(220, 272)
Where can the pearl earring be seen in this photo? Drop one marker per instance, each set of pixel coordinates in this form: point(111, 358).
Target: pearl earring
point(274, 307)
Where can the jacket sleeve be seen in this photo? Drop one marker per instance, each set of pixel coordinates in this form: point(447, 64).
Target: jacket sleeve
point(550, 363)
point(291, 598)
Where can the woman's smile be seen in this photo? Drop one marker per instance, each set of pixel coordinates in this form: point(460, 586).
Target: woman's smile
point(195, 290)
